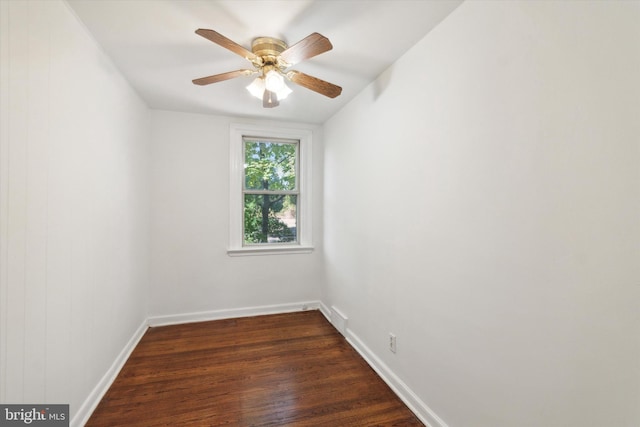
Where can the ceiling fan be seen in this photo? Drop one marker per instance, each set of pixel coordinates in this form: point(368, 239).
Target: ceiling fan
point(271, 59)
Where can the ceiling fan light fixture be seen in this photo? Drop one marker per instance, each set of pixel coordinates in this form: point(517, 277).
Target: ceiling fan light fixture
point(273, 81)
point(284, 91)
point(256, 88)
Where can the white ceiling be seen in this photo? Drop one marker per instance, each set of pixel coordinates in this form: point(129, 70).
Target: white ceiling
point(153, 43)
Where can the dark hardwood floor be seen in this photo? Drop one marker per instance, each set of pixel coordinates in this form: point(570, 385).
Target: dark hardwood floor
point(284, 369)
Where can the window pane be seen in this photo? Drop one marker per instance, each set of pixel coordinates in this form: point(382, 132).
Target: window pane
point(270, 165)
point(270, 218)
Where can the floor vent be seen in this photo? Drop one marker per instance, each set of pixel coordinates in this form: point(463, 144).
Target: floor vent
point(339, 320)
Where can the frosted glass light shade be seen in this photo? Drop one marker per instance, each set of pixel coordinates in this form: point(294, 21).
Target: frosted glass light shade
point(256, 88)
point(283, 92)
point(273, 81)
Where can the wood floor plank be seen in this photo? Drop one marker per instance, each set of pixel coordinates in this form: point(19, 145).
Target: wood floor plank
point(289, 369)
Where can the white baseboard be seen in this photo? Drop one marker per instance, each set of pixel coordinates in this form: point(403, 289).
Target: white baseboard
point(417, 406)
point(413, 402)
point(91, 402)
point(203, 316)
point(324, 310)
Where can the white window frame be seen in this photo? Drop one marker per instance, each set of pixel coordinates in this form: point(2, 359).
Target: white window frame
point(236, 198)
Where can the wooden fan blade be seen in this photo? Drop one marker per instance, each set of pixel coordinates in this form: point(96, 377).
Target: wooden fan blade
point(314, 83)
point(221, 77)
point(270, 99)
point(226, 43)
point(312, 45)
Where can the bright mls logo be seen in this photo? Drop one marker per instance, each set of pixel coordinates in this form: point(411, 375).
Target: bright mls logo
point(36, 415)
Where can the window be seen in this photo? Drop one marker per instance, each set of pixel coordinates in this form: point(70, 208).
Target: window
point(270, 210)
point(270, 191)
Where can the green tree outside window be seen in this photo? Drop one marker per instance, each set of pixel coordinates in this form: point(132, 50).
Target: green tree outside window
point(270, 191)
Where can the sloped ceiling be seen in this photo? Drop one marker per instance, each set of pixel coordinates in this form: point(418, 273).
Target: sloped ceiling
point(153, 43)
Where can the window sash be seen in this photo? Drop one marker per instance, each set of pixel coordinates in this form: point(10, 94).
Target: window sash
point(274, 192)
point(263, 139)
point(238, 133)
point(266, 141)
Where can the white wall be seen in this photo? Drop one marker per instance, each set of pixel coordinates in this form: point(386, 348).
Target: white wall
point(74, 207)
point(482, 202)
point(190, 269)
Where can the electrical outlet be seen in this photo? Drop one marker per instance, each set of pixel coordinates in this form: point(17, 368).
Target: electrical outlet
point(392, 342)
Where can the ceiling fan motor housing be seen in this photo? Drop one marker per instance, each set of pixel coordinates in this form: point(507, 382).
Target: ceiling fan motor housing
point(269, 50)
point(267, 46)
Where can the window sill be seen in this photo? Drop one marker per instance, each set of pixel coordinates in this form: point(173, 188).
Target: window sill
point(270, 250)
